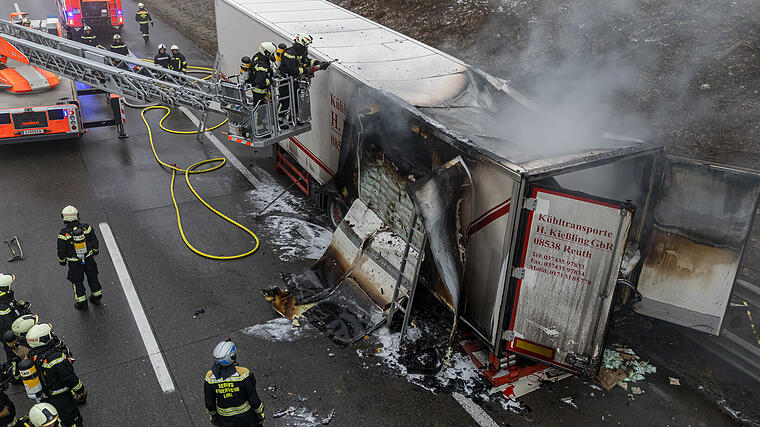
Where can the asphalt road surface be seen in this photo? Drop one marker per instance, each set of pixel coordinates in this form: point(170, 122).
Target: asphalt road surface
point(117, 182)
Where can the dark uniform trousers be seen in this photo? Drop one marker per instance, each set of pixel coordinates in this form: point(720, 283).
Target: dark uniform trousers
point(231, 399)
point(77, 269)
point(59, 382)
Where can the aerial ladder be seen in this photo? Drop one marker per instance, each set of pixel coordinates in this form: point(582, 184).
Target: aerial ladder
point(255, 125)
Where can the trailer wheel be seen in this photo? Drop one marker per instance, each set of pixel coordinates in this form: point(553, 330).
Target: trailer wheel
point(337, 211)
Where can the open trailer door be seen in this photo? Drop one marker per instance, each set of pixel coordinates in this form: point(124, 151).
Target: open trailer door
point(569, 263)
point(699, 225)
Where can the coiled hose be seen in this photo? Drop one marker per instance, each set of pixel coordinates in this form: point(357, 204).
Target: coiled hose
point(190, 170)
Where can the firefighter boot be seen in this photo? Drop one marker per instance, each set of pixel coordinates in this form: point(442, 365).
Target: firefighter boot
point(81, 305)
point(146, 37)
point(95, 299)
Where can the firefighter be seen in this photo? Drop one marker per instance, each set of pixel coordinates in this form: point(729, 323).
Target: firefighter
point(60, 384)
point(7, 411)
point(296, 63)
point(77, 246)
point(8, 312)
point(261, 73)
point(16, 337)
point(162, 58)
point(230, 391)
point(26, 22)
point(118, 46)
point(88, 37)
point(144, 19)
point(178, 62)
point(42, 415)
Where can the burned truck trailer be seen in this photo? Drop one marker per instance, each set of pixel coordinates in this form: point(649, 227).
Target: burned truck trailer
point(525, 240)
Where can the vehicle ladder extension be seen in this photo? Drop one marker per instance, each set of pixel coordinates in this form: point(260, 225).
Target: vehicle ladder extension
point(146, 83)
point(398, 292)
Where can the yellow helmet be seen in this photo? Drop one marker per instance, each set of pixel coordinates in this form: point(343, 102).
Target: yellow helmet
point(44, 415)
point(303, 39)
point(70, 213)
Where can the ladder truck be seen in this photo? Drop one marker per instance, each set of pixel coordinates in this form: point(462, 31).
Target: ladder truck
point(253, 124)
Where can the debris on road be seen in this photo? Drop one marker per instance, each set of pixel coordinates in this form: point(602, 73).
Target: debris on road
point(280, 330)
point(297, 416)
point(609, 378)
point(674, 381)
point(637, 390)
point(198, 312)
point(569, 400)
point(14, 246)
point(625, 359)
point(326, 420)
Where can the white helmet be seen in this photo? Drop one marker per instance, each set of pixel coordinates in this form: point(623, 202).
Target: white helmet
point(268, 48)
point(140, 6)
point(303, 39)
point(174, 47)
point(70, 213)
point(44, 415)
point(87, 28)
point(26, 21)
point(23, 324)
point(6, 280)
point(117, 36)
point(161, 46)
point(39, 335)
point(225, 353)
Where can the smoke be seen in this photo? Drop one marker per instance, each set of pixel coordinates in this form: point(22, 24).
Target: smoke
point(638, 67)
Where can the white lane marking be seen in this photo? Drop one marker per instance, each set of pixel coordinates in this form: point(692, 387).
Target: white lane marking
point(226, 152)
point(149, 339)
point(476, 412)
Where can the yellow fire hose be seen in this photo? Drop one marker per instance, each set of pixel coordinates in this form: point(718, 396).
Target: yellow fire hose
point(190, 170)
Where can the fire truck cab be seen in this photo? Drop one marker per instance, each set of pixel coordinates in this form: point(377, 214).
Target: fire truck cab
point(100, 15)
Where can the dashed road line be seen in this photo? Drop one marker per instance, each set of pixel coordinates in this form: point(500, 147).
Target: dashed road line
point(146, 332)
point(476, 412)
point(225, 151)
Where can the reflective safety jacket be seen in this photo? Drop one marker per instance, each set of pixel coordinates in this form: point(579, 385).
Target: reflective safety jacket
point(178, 63)
point(67, 249)
point(261, 73)
point(89, 39)
point(295, 61)
point(119, 48)
point(56, 371)
point(162, 59)
point(230, 394)
point(143, 17)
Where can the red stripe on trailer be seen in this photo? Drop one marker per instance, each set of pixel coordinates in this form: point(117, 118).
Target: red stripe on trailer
point(492, 215)
point(311, 155)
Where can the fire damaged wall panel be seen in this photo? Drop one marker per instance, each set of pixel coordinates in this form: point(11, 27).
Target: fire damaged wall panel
point(489, 228)
point(702, 217)
point(346, 293)
point(438, 199)
point(708, 203)
point(686, 282)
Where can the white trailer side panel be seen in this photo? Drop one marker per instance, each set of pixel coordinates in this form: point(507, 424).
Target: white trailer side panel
point(369, 54)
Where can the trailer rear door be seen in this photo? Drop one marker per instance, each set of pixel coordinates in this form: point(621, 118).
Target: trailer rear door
point(700, 222)
point(572, 248)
